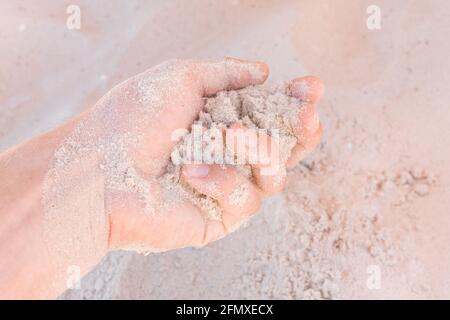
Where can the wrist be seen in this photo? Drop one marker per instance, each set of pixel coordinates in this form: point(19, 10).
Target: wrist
point(47, 236)
point(74, 223)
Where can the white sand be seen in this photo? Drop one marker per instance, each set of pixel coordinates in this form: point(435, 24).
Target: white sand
point(375, 196)
point(265, 111)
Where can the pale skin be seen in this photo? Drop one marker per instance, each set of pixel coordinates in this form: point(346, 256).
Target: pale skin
point(26, 268)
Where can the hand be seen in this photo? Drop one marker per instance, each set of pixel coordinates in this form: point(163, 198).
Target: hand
point(168, 97)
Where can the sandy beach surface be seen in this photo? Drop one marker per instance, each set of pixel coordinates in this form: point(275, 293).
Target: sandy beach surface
point(366, 216)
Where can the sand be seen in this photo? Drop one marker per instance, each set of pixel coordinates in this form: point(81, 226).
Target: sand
point(373, 198)
point(265, 111)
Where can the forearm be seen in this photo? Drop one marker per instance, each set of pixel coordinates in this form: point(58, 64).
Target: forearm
point(30, 267)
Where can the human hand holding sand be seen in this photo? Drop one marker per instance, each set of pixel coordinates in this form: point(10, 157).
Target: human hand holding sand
point(94, 183)
point(184, 224)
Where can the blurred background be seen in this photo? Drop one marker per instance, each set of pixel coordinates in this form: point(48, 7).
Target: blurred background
point(366, 216)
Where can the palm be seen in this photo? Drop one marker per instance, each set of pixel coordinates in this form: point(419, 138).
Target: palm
point(164, 99)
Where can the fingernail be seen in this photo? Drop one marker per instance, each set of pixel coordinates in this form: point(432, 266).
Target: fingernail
point(302, 89)
point(196, 170)
point(257, 70)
